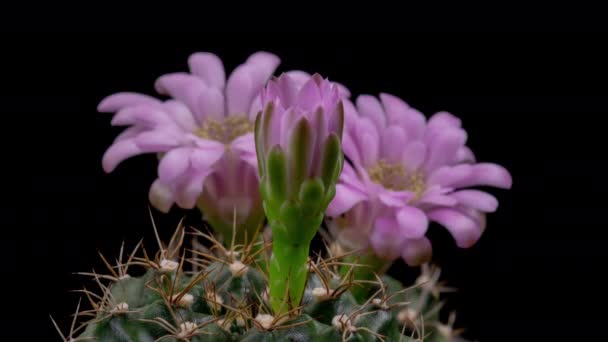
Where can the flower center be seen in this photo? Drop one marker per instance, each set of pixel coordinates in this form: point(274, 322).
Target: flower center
point(395, 177)
point(227, 130)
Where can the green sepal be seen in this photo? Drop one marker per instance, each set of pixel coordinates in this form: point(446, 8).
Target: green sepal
point(330, 164)
point(300, 152)
point(277, 175)
point(311, 197)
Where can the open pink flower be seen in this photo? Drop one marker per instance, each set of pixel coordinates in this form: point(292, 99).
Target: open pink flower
point(406, 171)
point(203, 133)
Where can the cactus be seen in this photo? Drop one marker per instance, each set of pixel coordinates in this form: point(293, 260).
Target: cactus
point(257, 149)
point(221, 294)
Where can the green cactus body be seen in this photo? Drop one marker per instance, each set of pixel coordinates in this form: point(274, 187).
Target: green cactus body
point(228, 300)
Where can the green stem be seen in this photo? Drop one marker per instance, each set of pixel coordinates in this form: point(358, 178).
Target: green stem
point(288, 274)
point(368, 265)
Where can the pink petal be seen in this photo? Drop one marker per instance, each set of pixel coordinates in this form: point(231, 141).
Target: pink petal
point(350, 114)
point(245, 145)
point(487, 174)
point(412, 221)
point(191, 191)
point(210, 104)
point(444, 147)
point(174, 164)
point(144, 114)
point(158, 140)
point(118, 101)
point(386, 238)
point(239, 91)
point(476, 199)
point(393, 142)
point(465, 155)
point(298, 76)
point(183, 87)
point(350, 149)
point(395, 199)
point(448, 176)
point(434, 195)
point(263, 65)
point(161, 196)
point(309, 96)
point(413, 155)
point(130, 133)
point(346, 197)
point(180, 114)
point(118, 152)
point(350, 177)
point(398, 112)
point(416, 252)
point(445, 120)
point(367, 141)
point(202, 159)
point(255, 108)
point(465, 231)
point(209, 67)
point(370, 107)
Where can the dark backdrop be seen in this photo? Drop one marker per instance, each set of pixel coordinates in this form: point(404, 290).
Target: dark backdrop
point(531, 102)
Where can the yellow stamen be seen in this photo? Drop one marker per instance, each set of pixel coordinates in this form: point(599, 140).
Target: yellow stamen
point(227, 130)
point(396, 177)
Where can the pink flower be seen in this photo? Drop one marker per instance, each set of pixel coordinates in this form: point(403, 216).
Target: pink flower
point(406, 171)
point(203, 133)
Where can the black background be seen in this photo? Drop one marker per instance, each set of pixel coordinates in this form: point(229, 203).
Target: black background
point(533, 102)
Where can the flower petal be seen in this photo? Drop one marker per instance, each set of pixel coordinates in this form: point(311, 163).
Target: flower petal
point(368, 141)
point(174, 164)
point(118, 152)
point(416, 252)
point(398, 112)
point(444, 120)
point(370, 107)
point(443, 148)
point(393, 142)
point(158, 140)
point(435, 195)
point(210, 103)
point(239, 91)
point(309, 96)
point(204, 157)
point(412, 221)
point(209, 67)
point(465, 155)
point(118, 101)
point(192, 189)
point(448, 176)
point(185, 88)
point(487, 174)
point(161, 196)
point(346, 197)
point(144, 114)
point(413, 155)
point(180, 114)
point(263, 65)
point(476, 199)
point(395, 199)
point(386, 238)
point(351, 151)
point(465, 231)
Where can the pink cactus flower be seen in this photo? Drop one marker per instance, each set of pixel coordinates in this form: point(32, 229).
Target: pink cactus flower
point(406, 171)
point(203, 134)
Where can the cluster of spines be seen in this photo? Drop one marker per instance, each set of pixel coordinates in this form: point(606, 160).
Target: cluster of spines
point(224, 297)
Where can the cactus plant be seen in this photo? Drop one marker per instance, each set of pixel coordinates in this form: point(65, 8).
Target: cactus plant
point(254, 148)
point(227, 299)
